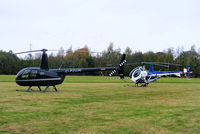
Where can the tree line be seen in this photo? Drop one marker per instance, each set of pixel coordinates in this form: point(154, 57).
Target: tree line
point(84, 57)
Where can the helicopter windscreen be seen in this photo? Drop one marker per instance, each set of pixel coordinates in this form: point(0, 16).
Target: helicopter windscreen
point(137, 73)
point(20, 72)
point(25, 74)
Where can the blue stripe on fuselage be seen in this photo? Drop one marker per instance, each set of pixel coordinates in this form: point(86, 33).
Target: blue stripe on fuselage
point(164, 72)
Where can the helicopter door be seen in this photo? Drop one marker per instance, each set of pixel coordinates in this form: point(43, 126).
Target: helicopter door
point(33, 74)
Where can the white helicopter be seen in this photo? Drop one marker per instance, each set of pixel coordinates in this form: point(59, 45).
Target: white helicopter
point(142, 77)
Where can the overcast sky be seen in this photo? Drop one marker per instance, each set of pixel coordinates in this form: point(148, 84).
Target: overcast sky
point(143, 25)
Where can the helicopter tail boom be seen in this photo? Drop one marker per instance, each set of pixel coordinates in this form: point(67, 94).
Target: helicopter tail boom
point(119, 69)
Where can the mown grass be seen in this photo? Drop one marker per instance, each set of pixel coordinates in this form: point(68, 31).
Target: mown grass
point(110, 106)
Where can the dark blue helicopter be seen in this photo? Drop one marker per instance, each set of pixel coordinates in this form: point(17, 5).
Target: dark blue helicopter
point(43, 76)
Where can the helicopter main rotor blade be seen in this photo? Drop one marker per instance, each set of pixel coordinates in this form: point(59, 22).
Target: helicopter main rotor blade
point(154, 63)
point(43, 50)
point(162, 63)
point(172, 64)
point(78, 51)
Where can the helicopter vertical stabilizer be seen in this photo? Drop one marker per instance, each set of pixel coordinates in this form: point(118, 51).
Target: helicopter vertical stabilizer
point(187, 71)
point(120, 69)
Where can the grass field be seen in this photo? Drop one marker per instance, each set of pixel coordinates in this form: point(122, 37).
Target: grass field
point(96, 105)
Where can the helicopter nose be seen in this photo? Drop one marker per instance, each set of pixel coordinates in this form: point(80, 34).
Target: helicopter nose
point(144, 74)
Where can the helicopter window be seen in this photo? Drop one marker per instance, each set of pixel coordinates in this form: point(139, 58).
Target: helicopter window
point(42, 73)
point(137, 73)
point(33, 73)
point(26, 74)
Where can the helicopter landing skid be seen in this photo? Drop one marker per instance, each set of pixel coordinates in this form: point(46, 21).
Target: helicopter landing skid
point(138, 85)
point(39, 88)
point(55, 88)
point(141, 85)
point(45, 90)
point(29, 89)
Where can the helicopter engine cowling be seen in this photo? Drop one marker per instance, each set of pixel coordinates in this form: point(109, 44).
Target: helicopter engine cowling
point(138, 75)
